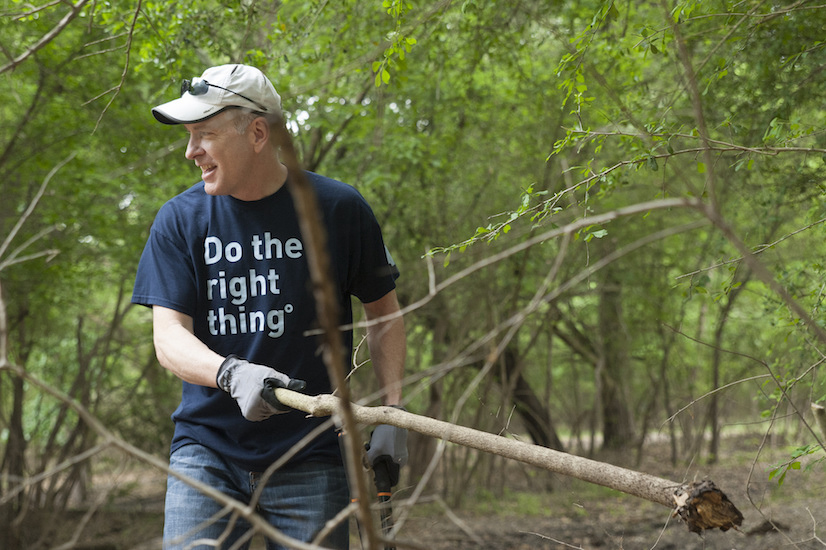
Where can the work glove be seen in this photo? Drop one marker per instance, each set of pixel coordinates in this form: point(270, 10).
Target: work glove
point(252, 385)
point(387, 451)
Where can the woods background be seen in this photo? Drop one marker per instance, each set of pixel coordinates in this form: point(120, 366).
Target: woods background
point(609, 218)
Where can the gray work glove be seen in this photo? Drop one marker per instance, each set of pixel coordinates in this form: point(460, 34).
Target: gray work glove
point(387, 453)
point(245, 382)
point(389, 441)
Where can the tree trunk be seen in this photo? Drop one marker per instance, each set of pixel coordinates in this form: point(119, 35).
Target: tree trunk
point(612, 369)
point(422, 448)
point(820, 419)
point(12, 466)
point(714, 407)
point(533, 412)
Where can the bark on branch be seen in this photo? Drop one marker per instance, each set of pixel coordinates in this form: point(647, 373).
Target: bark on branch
point(701, 505)
point(328, 310)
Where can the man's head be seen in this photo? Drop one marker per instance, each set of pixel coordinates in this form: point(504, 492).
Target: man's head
point(218, 89)
point(230, 113)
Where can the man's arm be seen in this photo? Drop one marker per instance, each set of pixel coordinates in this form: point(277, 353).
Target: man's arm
point(388, 346)
point(180, 351)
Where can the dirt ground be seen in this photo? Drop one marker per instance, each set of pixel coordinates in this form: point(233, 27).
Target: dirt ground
point(581, 516)
point(540, 510)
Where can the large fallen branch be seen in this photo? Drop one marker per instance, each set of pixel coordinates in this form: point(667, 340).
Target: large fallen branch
point(701, 505)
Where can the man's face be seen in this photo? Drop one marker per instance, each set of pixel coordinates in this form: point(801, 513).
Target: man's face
point(224, 155)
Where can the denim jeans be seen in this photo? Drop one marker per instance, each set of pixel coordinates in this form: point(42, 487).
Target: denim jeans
point(298, 501)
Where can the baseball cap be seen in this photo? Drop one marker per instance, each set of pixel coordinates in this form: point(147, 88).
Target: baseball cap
point(218, 89)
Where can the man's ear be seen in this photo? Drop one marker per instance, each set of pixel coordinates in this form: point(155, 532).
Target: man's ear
point(260, 133)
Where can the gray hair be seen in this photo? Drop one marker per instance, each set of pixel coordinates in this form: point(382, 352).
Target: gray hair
point(245, 117)
point(243, 120)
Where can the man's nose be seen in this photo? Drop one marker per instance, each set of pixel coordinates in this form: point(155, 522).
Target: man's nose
point(193, 148)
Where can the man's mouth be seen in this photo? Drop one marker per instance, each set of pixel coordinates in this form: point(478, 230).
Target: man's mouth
point(207, 169)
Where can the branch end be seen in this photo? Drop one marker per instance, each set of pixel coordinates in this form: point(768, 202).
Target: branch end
point(702, 506)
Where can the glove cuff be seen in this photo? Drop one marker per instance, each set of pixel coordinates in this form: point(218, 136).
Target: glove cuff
point(224, 377)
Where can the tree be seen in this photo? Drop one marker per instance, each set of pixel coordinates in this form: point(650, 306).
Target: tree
point(603, 194)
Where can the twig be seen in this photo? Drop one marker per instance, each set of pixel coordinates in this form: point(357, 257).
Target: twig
point(119, 87)
point(25, 216)
point(712, 392)
point(763, 273)
point(757, 250)
point(63, 466)
point(546, 537)
point(36, 9)
point(48, 37)
point(108, 438)
point(573, 227)
point(87, 517)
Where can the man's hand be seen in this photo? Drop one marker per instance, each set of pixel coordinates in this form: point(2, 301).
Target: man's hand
point(245, 382)
point(388, 449)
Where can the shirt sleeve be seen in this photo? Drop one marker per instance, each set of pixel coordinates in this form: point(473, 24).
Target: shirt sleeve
point(376, 270)
point(165, 275)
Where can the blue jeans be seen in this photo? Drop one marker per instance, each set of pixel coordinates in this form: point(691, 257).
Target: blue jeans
point(298, 501)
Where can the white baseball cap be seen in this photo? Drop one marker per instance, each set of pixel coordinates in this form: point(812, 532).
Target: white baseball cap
point(218, 89)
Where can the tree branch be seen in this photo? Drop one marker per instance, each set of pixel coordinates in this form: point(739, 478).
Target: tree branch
point(25, 216)
point(109, 439)
point(48, 37)
point(327, 307)
point(119, 87)
point(693, 501)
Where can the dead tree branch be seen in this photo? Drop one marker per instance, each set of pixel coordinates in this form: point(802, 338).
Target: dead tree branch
point(701, 505)
point(327, 307)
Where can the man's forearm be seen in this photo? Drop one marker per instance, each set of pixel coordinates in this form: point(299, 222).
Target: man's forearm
point(387, 343)
point(180, 351)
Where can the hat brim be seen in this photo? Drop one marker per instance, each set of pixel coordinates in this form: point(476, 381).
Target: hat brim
point(186, 110)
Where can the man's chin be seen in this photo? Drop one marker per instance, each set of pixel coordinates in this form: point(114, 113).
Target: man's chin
point(213, 189)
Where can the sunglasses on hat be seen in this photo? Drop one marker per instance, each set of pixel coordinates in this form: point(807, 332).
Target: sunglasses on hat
point(202, 86)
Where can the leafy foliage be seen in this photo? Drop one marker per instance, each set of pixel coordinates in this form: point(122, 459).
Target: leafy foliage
point(472, 128)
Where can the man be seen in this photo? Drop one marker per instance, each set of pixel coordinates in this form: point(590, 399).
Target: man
point(225, 272)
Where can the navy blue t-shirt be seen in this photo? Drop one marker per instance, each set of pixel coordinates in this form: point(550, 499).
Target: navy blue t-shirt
point(239, 269)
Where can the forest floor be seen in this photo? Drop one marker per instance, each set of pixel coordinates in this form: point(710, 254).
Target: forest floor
point(533, 509)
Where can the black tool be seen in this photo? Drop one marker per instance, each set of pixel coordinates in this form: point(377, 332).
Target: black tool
point(386, 476)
